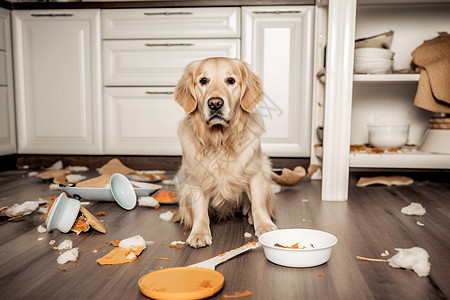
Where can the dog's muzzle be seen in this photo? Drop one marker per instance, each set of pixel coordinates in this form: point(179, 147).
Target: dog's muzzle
point(215, 105)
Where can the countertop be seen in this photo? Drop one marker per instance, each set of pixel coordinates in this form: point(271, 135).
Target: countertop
point(13, 5)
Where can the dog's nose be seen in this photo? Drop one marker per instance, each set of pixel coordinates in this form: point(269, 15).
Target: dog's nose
point(215, 103)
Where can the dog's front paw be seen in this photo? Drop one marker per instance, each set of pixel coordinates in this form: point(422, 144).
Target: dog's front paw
point(265, 228)
point(198, 240)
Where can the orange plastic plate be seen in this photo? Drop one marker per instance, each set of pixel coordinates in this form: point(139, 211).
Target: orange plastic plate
point(181, 283)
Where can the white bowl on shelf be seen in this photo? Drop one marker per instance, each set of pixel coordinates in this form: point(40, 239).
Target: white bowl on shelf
point(374, 53)
point(319, 245)
point(436, 141)
point(388, 136)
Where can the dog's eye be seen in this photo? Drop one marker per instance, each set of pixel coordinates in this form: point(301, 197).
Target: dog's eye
point(203, 81)
point(231, 80)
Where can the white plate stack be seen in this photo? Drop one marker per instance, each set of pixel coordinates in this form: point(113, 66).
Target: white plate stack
point(373, 61)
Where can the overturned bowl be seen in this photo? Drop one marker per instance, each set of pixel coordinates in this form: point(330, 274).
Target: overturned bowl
point(62, 214)
point(299, 248)
point(123, 191)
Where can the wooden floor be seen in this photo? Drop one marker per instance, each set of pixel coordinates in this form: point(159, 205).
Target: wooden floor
point(369, 223)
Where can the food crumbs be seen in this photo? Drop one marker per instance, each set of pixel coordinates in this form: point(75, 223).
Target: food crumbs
point(63, 269)
point(163, 258)
point(114, 243)
point(176, 246)
point(101, 214)
point(238, 294)
point(321, 274)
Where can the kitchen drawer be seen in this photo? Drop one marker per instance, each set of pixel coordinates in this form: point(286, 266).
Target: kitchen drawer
point(141, 121)
point(158, 62)
point(171, 23)
point(3, 69)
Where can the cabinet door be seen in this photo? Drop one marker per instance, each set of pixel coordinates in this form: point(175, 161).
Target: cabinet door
point(142, 121)
point(158, 62)
point(7, 118)
point(278, 42)
point(58, 86)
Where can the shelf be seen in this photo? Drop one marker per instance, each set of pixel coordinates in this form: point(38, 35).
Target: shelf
point(386, 77)
point(408, 160)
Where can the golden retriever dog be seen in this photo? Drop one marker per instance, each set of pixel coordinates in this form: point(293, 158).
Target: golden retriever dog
point(223, 169)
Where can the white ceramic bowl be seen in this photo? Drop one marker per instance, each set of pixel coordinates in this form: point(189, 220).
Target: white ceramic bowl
point(388, 136)
point(317, 254)
point(62, 214)
point(436, 141)
point(374, 53)
point(123, 191)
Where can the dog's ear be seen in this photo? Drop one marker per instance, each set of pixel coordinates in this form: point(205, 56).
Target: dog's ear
point(252, 91)
point(184, 91)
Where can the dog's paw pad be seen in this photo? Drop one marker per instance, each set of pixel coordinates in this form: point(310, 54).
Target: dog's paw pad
point(265, 228)
point(199, 240)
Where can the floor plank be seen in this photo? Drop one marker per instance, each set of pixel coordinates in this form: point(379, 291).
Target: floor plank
point(369, 223)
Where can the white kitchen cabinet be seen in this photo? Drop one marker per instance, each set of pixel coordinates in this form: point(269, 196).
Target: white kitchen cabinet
point(144, 54)
point(7, 114)
point(141, 121)
point(58, 81)
point(278, 42)
point(164, 23)
point(158, 62)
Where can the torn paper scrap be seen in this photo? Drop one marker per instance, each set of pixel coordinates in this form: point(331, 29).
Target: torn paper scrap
point(248, 235)
point(41, 229)
point(385, 180)
point(23, 209)
point(414, 208)
point(167, 216)
point(77, 168)
point(148, 201)
point(56, 166)
point(414, 258)
point(75, 178)
point(66, 244)
point(69, 255)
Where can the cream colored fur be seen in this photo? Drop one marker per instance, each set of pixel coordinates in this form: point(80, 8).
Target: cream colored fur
point(223, 168)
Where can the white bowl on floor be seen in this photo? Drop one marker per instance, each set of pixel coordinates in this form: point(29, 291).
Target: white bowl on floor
point(317, 244)
point(62, 214)
point(123, 191)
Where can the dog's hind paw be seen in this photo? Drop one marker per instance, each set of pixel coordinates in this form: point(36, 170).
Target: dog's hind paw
point(199, 240)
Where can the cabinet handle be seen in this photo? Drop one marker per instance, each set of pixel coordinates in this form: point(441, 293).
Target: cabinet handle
point(159, 93)
point(170, 45)
point(52, 15)
point(277, 12)
point(168, 13)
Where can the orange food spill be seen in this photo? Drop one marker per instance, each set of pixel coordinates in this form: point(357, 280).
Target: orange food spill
point(120, 255)
point(294, 246)
point(48, 209)
point(101, 214)
point(176, 246)
point(114, 243)
point(163, 258)
point(63, 269)
point(166, 197)
point(238, 294)
point(321, 274)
